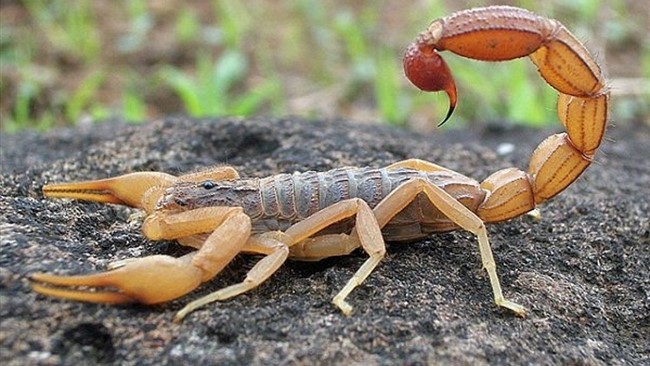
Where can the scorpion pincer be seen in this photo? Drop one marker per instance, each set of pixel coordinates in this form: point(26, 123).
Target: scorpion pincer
point(315, 215)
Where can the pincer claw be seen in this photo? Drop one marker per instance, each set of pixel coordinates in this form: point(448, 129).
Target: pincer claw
point(148, 280)
point(128, 189)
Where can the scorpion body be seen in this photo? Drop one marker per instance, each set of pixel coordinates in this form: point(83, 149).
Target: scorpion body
point(314, 215)
point(277, 202)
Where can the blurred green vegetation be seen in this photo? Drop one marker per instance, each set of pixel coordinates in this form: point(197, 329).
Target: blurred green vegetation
point(64, 62)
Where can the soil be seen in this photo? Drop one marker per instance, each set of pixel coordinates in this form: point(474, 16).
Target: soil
point(582, 270)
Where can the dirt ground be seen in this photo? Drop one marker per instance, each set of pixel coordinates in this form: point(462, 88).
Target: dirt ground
point(582, 271)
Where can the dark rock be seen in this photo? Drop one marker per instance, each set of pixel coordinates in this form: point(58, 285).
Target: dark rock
point(582, 271)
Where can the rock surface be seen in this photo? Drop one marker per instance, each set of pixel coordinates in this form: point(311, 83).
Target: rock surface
point(582, 271)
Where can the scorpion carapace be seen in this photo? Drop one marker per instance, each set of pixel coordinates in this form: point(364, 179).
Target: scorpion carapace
point(314, 215)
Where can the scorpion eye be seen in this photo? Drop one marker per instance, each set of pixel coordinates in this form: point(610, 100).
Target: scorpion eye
point(208, 184)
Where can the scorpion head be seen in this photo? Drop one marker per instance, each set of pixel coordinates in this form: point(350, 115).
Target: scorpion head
point(184, 196)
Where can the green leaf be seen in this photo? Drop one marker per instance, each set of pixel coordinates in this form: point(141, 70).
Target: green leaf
point(84, 95)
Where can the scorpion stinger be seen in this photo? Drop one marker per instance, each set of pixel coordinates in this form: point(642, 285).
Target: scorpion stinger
point(428, 71)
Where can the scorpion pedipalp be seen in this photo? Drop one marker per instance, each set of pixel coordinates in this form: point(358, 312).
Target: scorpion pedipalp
point(128, 189)
point(148, 280)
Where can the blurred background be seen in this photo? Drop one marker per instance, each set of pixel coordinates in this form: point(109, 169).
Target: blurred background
point(69, 62)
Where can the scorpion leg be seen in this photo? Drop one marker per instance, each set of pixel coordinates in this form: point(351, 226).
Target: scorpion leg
point(159, 278)
point(369, 234)
point(418, 164)
point(274, 245)
point(311, 249)
point(193, 241)
point(397, 200)
point(324, 246)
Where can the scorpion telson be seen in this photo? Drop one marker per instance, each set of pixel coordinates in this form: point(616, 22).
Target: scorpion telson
point(315, 215)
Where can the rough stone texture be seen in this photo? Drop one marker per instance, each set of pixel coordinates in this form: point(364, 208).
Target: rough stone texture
point(582, 271)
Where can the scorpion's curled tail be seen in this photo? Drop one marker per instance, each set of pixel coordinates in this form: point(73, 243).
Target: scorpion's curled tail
point(501, 33)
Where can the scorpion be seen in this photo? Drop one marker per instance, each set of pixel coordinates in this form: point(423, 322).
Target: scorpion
point(315, 215)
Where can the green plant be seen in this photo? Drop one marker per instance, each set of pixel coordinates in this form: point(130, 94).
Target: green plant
point(61, 61)
point(134, 109)
point(84, 96)
point(69, 26)
point(210, 92)
point(187, 25)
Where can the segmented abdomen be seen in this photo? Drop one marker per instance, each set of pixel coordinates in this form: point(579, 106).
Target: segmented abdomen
point(289, 198)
